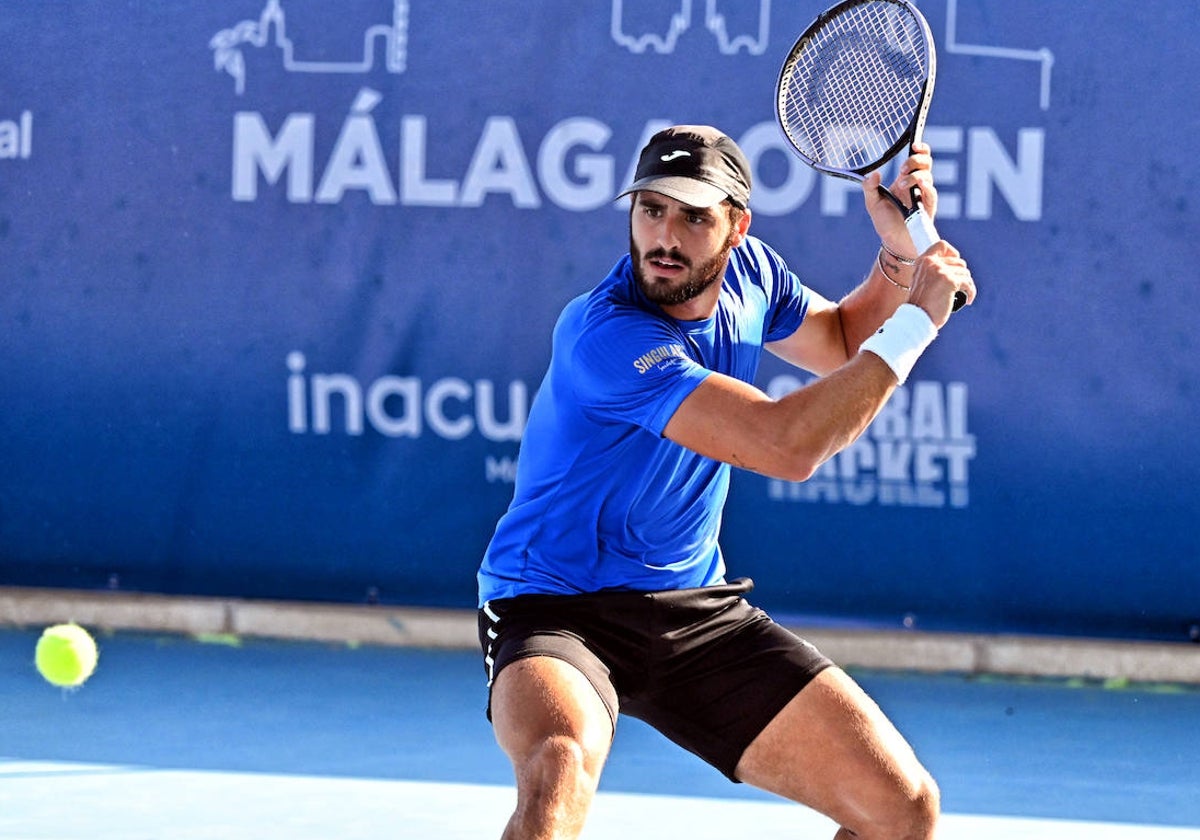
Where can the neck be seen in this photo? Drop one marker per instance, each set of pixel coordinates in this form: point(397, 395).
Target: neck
point(699, 308)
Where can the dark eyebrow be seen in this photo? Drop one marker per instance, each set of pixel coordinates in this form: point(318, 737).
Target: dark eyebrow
point(648, 199)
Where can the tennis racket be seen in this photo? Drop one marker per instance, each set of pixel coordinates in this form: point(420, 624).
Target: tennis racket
point(855, 90)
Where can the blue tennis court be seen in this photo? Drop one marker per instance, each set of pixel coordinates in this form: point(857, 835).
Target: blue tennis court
point(175, 738)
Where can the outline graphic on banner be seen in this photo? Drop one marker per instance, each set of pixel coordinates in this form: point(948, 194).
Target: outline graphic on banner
point(681, 22)
point(1044, 55)
point(228, 57)
point(16, 137)
point(916, 453)
point(716, 23)
point(227, 54)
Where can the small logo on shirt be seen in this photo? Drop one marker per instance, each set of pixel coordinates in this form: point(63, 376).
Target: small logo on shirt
point(646, 361)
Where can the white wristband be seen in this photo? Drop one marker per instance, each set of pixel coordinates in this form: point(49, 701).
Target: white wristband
point(902, 339)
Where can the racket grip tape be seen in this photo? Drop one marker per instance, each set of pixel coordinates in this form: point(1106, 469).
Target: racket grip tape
point(921, 230)
point(924, 234)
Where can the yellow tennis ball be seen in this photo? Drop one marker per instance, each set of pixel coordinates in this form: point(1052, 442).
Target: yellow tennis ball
point(66, 655)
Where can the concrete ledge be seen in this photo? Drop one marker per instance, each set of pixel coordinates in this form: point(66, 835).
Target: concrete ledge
point(455, 629)
point(1039, 656)
point(196, 616)
point(404, 626)
point(24, 607)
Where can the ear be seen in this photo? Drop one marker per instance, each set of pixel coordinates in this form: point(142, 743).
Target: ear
point(743, 226)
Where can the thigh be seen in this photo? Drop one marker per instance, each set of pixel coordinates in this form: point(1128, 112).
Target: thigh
point(833, 749)
point(545, 682)
point(540, 699)
point(545, 627)
point(726, 670)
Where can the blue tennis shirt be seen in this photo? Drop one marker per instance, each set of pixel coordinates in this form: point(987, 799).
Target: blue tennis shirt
point(602, 500)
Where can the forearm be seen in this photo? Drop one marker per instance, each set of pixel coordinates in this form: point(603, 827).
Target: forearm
point(833, 332)
point(827, 415)
point(814, 423)
point(790, 438)
point(874, 300)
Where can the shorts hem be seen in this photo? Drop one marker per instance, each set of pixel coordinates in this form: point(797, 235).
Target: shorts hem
point(779, 703)
point(532, 654)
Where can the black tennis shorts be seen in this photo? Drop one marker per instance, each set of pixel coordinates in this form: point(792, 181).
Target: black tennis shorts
point(702, 666)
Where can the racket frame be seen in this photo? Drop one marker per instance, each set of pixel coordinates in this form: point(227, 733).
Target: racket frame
point(920, 226)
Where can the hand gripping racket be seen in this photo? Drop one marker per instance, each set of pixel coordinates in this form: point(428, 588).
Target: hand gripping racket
point(855, 90)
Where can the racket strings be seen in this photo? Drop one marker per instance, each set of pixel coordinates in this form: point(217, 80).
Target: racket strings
point(851, 90)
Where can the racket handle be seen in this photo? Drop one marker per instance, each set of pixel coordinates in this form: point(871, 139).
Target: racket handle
point(924, 234)
point(921, 229)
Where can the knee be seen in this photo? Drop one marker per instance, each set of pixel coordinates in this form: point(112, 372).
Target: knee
point(917, 816)
point(565, 755)
point(560, 768)
point(556, 783)
point(909, 811)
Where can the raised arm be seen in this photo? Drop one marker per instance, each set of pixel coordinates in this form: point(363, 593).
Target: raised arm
point(789, 438)
point(732, 421)
point(832, 333)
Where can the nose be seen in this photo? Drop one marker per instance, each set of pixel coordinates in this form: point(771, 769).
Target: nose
point(668, 232)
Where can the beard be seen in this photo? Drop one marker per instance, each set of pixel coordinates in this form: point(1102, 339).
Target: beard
point(697, 280)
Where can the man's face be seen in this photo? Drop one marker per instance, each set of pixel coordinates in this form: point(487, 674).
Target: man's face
point(678, 251)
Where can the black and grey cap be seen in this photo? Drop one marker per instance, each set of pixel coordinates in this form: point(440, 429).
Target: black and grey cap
point(695, 164)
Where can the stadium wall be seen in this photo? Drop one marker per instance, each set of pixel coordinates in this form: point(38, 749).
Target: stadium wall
point(278, 280)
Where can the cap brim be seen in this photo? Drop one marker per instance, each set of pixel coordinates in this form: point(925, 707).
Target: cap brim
point(688, 190)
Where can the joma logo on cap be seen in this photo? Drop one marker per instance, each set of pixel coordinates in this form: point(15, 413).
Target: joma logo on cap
point(675, 154)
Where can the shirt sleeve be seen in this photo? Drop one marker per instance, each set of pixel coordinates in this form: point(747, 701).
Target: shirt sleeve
point(788, 298)
point(634, 369)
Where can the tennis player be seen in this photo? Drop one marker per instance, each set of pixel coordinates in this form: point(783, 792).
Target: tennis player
point(604, 590)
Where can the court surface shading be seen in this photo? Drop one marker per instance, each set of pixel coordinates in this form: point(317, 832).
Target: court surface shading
point(224, 739)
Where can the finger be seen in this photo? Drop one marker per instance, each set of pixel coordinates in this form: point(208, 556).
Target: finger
point(944, 251)
point(963, 282)
point(924, 184)
point(917, 162)
point(872, 186)
point(922, 178)
point(969, 290)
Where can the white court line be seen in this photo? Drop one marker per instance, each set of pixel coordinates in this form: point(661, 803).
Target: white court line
point(69, 801)
point(625, 815)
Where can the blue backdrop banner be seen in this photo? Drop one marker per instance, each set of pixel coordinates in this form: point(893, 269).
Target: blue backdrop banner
point(278, 281)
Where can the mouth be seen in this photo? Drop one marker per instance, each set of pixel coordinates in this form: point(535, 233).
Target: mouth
point(667, 263)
